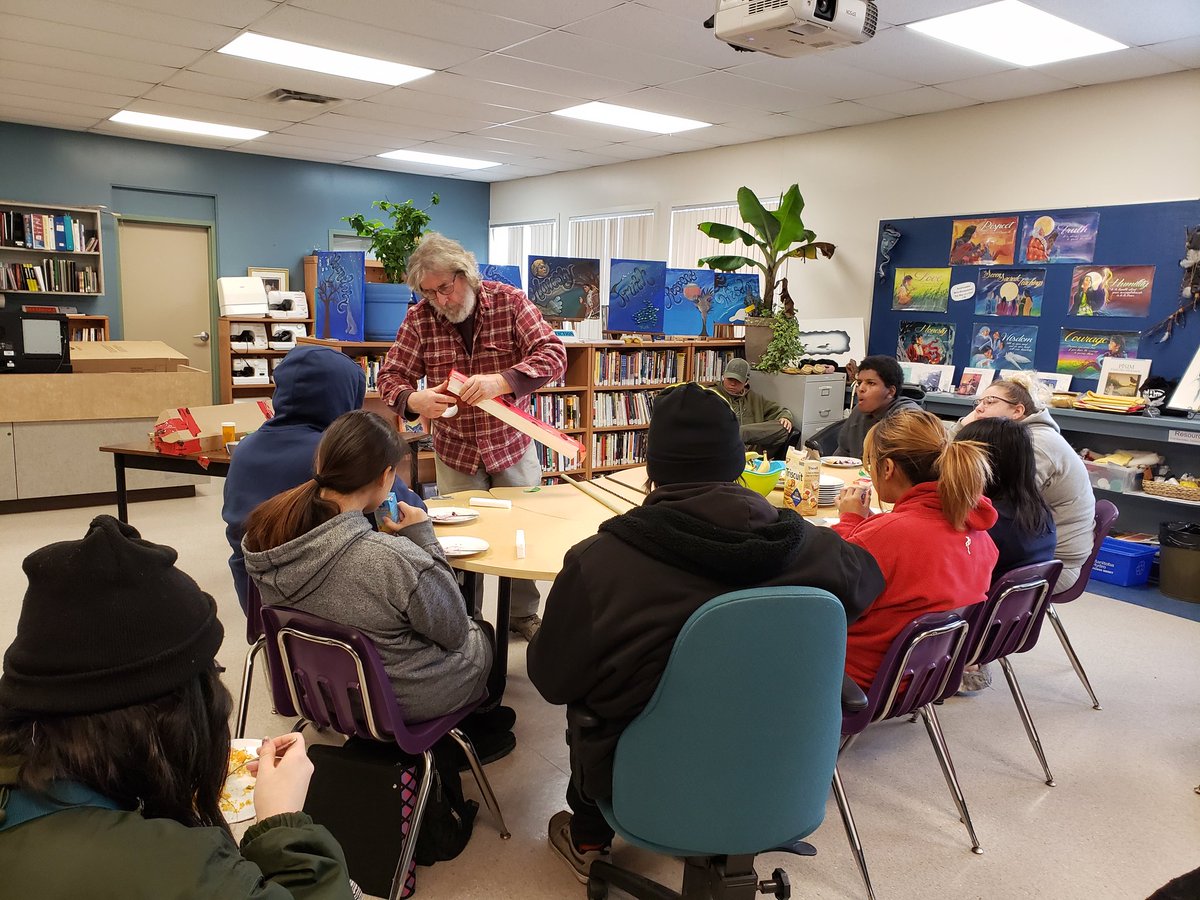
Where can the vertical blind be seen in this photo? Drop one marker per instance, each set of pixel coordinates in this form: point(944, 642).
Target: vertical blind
point(617, 236)
point(509, 245)
point(689, 243)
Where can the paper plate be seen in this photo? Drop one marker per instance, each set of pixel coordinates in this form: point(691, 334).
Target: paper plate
point(462, 546)
point(831, 481)
point(452, 515)
point(237, 796)
point(841, 462)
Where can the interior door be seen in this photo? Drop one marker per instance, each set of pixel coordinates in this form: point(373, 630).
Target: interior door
point(166, 283)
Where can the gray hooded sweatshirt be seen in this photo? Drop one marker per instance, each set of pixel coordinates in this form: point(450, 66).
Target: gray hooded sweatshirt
point(1065, 486)
point(398, 590)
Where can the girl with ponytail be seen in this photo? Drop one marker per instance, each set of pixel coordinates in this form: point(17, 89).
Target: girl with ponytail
point(312, 548)
point(933, 547)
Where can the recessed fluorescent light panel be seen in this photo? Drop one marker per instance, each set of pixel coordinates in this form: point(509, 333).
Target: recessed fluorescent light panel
point(625, 117)
point(1016, 33)
point(169, 123)
point(436, 159)
point(318, 59)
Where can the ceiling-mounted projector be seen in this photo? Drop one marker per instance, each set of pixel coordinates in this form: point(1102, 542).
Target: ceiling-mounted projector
point(794, 27)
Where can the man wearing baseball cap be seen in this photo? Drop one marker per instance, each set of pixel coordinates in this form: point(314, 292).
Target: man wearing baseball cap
point(764, 424)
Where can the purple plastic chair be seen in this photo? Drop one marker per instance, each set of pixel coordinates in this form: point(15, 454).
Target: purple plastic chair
point(1007, 622)
point(256, 640)
point(924, 660)
point(332, 675)
point(1106, 515)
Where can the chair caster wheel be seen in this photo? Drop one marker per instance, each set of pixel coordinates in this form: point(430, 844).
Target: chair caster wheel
point(597, 890)
point(779, 885)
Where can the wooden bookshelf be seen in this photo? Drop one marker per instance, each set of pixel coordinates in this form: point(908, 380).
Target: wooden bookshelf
point(87, 328)
point(50, 251)
point(229, 359)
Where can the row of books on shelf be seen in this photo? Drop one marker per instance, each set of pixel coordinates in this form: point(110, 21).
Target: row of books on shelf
point(709, 365)
point(59, 275)
point(36, 231)
point(554, 462)
point(80, 333)
point(615, 408)
point(639, 366)
point(560, 410)
point(370, 366)
point(616, 448)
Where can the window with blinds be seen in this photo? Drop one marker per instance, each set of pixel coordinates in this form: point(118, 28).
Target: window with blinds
point(510, 245)
point(616, 236)
point(689, 243)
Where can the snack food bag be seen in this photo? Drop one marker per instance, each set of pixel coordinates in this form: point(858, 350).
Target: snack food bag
point(793, 478)
point(810, 485)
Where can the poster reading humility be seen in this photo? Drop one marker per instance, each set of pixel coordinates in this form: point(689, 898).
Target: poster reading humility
point(983, 241)
point(733, 292)
point(510, 275)
point(921, 290)
point(635, 295)
point(925, 342)
point(341, 276)
point(997, 346)
point(1082, 353)
point(1111, 290)
point(1010, 292)
point(1065, 237)
point(688, 302)
point(565, 288)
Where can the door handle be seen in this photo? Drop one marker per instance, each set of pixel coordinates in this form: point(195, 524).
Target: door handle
point(202, 337)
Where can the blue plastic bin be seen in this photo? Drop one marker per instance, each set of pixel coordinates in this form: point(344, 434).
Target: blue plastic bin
point(386, 307)
point(1124, 563)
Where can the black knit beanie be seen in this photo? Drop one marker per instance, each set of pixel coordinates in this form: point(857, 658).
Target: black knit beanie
point(107, 622)
point(693, 437)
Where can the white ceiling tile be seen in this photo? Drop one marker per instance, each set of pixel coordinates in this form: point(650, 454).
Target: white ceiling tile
point(400, 115)
point(782, 125)
point(356, 148)
point(627, 151)
point(524, 73)
point(13, 87)
point(431, 19)
point(235, 13)
point(538, 138)
point(847, 112)
point(205, 106)
point(895, 12)
point(668, 143)
point(1119, 65)
point(235, 68)
point(350, 137)
point(821, 74)
point(85, 64)
point(1005, 85)
point(444, 149)
point(105, 16)
point(202, 83)
point(689, 106)
point(31, 72)
point(550, 13)
point(446, 84)
point(257, 148)
point(733, 89)
point(912, 56)
point(1144, 22)
point(96, 111)
point(554, 155)
point(490, 113)
point(164, 137)
point(257, 120)
point(660, 33)
point(45, 117)
point(379, 128)
point(570, 51)
point(917, 101)
point(481, 142)
point(725, 135)
point(1185, 51)
point(593, 131)
point(104, 43)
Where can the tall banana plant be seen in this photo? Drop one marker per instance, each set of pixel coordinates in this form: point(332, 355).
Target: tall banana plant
point(779, 235)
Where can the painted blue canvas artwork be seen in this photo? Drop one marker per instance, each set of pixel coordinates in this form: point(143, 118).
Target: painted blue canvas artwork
point(732, 293)
point(688, 302)
point(565, 288)
point(636, 294)
point(510, 275)
point(339, 313)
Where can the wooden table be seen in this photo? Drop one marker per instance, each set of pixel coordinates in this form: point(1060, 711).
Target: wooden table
point(142, 455)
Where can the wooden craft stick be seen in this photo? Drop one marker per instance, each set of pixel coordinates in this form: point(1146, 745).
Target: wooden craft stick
point(580, 487)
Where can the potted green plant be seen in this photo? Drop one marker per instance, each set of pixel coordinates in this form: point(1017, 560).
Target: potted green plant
point(778, 235)
point(784, 346)
point(394, 243)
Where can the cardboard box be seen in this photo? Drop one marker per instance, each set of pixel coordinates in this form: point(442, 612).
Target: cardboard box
point(195, 429)
point(90, 357)
point(119, 395)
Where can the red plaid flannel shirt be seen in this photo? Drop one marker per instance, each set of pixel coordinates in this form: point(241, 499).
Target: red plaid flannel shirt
point(510, 333)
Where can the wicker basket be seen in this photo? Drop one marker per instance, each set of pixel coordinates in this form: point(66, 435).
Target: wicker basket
point(1174, 491)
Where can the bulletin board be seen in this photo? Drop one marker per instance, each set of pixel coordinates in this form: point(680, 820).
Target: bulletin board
point(1127, 239)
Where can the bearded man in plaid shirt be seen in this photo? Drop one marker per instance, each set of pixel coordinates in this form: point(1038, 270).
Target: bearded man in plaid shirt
point(493, 334)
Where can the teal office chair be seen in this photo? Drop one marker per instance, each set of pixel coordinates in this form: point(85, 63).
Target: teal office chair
point(734, 754)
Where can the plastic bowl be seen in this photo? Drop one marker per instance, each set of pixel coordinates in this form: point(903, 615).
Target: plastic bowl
point(763, 482)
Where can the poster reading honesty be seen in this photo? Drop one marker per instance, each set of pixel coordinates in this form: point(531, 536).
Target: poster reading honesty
point(687, 302)
point(979, 241)
point(925, 342)
point(1082, 353)
point(921, 290)
point(1111, 290)
point(1067, 237)
point(1010, 292)
point(997, 346)
point(635, 298)
point(565, 288)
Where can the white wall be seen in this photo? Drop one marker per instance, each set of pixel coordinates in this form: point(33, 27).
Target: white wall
point(1129, 142)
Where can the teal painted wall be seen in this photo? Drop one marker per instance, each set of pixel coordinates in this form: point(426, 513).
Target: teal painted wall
point(267, 211)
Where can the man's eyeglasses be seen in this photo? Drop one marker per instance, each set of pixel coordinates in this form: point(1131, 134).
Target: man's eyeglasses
point(988, 401)
point(444, 290)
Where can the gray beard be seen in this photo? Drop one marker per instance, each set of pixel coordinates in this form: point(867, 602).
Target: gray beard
point(462, 313)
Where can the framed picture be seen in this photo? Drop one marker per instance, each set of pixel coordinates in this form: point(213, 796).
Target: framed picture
point(974, 381)
point(273, 279)
point(931, 378)
point(1056, 381)
point(1122, 377)
point(1186, 397)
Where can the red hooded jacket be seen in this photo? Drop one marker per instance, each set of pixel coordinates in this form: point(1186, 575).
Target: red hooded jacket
point(928, 566)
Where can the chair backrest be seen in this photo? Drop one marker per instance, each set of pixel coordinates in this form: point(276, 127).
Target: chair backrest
point(1010, 619)
point(926, 658)
point(913, 392)
point(1106, 515)
point(254, 626)
point(825, 441)
point(734, 752)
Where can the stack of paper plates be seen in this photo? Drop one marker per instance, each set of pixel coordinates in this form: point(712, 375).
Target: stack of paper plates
point(830, 487)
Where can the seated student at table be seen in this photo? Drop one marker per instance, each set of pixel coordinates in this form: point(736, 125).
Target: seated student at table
point(313, 549)
point(624, 594)
point(877, 390)
point(764, 424)
point(933, 547)
point(114, 742)
point(313, 386)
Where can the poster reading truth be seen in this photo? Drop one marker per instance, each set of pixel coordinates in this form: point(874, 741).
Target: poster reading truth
point(635, 296)
point(1009, 292)
point(565, 288)
point(1061, 238)
point(925, 342)
point(921, 290)
point(510, 275)
point(995, 345)
point(733, 292)
point(1111, 290)
point(688, 302)
point(1081, 353)
point(990, 241)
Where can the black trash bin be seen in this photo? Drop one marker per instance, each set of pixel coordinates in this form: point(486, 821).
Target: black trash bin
point(1179, 569)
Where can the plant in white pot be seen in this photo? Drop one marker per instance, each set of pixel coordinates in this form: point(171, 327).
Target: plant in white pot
point(778, 235)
